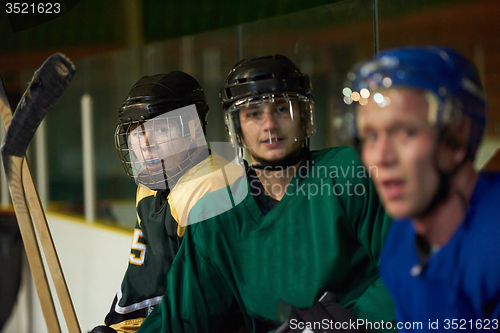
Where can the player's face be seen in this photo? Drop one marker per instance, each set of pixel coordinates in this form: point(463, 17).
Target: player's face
point(270, 129)
point(159, 145)
point(399, 141)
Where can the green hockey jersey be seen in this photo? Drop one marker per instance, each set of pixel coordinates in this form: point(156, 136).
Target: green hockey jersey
point(325, 234)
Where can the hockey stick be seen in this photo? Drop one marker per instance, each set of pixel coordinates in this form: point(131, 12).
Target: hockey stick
point(47, 85)
point(29, 239)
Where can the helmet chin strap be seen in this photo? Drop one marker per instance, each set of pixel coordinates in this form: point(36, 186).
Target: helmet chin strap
point(286, 162)
point(444, 188)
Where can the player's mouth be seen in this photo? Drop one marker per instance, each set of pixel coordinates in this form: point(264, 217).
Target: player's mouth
point(272, 142)
point(392, 188)
point(154, 164)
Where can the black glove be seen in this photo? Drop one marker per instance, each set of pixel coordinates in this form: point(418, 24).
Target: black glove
point(102, 329)
point(326, 310)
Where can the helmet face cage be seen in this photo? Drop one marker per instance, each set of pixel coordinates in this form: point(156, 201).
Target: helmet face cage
point(156, 152)
point(289, 108)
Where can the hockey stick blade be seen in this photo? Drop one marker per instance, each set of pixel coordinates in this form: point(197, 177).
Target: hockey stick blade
point(47, 84)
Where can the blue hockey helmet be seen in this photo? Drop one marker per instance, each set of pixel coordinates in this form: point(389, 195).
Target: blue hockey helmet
point(447, 74)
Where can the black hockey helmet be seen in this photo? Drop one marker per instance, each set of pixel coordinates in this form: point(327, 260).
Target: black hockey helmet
point(266, 80)
point(158, 94)
point(158, 128)
point(264, 75)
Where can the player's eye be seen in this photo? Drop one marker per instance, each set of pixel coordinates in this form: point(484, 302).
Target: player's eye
point(369, 136)
point(255, 114)
point(161, 130)
point(408, 132)
point(138, 133)
point(282, 110)
point(405, 132)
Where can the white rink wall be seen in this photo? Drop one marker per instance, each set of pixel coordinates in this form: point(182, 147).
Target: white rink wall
point(94, 259)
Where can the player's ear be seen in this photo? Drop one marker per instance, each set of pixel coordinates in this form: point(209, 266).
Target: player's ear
point(453, 146)
point(460, 155)
point(196, 129)
point(445, 157)
point(460, 134)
